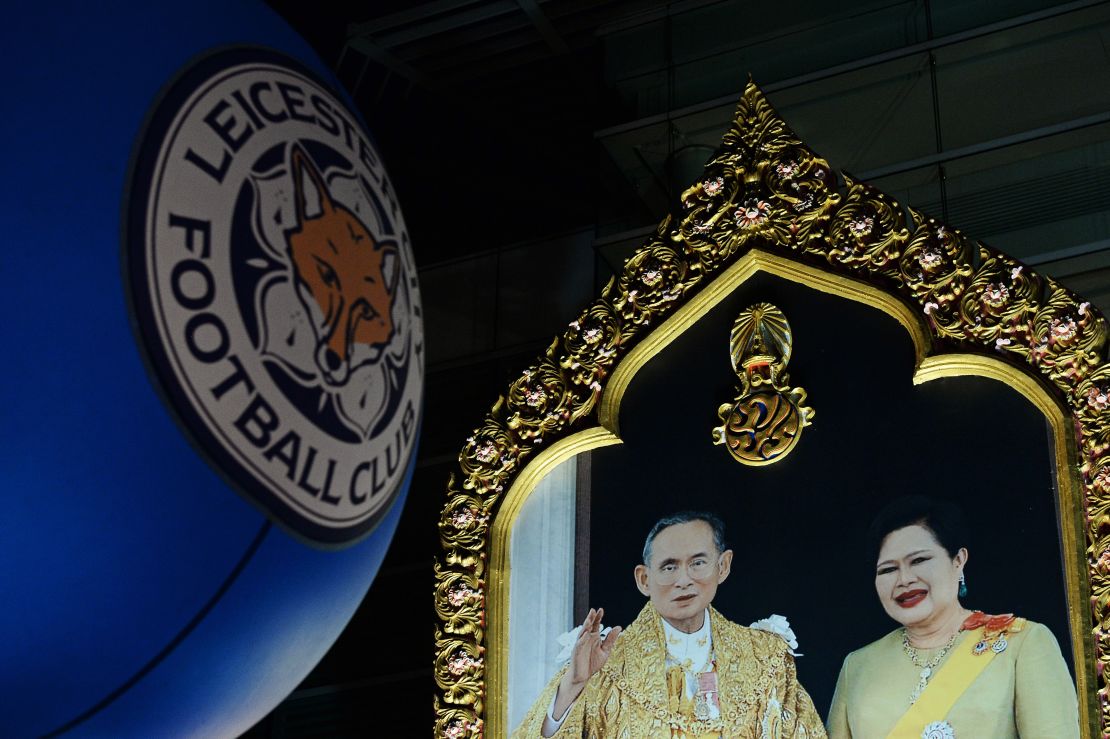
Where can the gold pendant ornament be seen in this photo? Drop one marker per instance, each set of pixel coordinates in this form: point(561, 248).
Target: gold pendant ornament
point(763, 424)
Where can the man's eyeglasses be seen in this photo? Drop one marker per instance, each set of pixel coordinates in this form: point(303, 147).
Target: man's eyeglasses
point(699, 569)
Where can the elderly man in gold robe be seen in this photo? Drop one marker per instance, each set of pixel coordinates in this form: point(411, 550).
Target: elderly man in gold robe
point(681, 670)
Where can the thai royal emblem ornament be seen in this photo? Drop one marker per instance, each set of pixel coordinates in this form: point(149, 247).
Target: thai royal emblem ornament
point(766, 419)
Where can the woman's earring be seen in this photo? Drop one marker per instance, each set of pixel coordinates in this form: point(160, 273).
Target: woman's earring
point(963, 586)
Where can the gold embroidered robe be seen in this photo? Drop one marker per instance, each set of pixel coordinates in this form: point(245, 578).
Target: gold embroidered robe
point(759, 694)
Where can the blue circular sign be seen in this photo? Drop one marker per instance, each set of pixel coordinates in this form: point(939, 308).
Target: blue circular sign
point(208, 443)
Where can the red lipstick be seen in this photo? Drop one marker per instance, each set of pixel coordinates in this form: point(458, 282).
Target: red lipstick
point(910, 598)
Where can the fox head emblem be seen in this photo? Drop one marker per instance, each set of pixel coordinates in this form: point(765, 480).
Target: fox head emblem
point(344, 276)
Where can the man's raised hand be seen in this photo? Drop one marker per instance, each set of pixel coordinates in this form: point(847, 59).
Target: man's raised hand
point(590, 654)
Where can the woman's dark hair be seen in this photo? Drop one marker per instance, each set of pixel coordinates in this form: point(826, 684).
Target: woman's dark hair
point(944, 519)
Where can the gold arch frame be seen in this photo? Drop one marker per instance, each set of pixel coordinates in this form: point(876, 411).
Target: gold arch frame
point(768, 203)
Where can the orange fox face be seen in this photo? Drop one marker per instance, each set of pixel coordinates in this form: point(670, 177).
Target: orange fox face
point(343, 271)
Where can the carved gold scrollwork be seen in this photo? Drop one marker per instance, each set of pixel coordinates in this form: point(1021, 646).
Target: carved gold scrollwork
point(704, 208)
point(1068, 337)
point(763, 424)
point(460, 599)
point(805, 187)
point(1092, 403)
point(999, 301)
point(490, 452)
point(725, 220)
point(756, 130)
point(935, 268)
point(868, 232)
point(590, 349)
point(463, 524)
point(772, 191)
point(456, 723)
point(538, 401)
point(764, 189)
point(458, 671)
point(651, 280)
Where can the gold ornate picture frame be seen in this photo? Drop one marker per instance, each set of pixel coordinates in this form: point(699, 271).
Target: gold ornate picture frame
point(766, 203)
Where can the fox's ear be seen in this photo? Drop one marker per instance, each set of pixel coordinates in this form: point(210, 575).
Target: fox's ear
point(300, 166)
point(391, 264)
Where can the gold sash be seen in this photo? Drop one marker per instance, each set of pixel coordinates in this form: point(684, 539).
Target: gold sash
point(946, 687)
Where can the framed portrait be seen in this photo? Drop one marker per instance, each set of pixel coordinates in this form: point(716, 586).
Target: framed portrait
point(890, 355)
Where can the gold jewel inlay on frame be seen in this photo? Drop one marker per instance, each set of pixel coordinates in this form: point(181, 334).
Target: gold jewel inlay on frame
point(767, 203)
point(765, 420)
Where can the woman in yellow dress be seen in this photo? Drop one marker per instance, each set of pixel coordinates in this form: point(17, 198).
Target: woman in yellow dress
point(947, 672)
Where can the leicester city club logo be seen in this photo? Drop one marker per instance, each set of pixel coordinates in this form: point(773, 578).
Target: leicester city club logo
point(274, 290)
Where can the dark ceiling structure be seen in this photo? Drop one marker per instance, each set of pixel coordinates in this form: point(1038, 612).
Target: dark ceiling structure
point(485, 111)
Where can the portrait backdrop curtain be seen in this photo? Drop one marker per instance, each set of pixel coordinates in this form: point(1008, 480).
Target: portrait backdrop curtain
point(541, 586)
